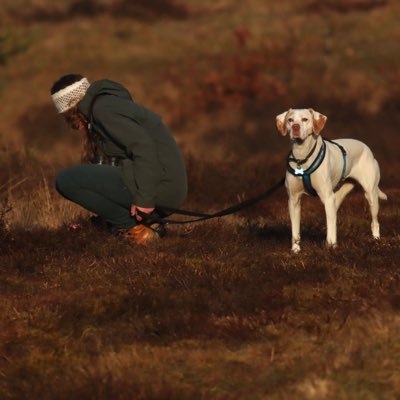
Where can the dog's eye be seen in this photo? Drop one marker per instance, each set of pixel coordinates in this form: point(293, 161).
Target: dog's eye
point(290, 119)
point(304, 119)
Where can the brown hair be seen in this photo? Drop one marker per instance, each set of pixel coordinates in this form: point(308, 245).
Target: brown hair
point(77, 121)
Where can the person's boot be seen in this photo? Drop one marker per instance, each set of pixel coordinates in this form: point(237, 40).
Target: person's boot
point(143, 235)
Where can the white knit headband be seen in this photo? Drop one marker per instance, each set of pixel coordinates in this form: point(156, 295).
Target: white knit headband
point(69, 96)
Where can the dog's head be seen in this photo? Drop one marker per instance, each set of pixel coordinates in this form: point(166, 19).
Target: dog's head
point(300, 123)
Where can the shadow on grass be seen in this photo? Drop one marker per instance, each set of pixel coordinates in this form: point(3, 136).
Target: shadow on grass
point(282, 233)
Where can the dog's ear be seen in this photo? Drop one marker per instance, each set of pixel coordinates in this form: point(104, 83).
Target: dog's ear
point(318, 121)
point(281, 123)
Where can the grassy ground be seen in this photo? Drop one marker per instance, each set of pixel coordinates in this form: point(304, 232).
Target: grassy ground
point(222, 309)
point(231, 316)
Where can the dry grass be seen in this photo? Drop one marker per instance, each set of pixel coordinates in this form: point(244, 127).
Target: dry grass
point(222, 309)
point(216, 310)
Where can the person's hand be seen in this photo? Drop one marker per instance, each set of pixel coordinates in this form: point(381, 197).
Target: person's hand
point(135, 209)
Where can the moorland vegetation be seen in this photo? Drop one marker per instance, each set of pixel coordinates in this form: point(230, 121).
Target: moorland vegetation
point(221, 309)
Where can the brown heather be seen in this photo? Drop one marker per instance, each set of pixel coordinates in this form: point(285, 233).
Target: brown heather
point(219, 310)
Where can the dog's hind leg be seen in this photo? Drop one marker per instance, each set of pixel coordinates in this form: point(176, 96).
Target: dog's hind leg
point(372, 197)
point(369, 181)
point(344, 190)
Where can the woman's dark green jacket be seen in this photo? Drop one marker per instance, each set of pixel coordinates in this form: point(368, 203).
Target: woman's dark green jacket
point(152, 165)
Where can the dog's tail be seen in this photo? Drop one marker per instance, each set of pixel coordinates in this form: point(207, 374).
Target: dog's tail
point(382, 195)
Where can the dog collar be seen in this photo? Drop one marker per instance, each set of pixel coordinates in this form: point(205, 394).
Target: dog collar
point(291, 156)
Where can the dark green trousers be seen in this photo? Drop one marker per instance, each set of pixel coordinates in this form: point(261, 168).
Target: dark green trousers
point(101, 190)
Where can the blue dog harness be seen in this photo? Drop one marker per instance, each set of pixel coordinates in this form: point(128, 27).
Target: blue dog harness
point(306, 174)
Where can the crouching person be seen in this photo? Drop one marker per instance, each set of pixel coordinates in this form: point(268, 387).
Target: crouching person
point(131, 163)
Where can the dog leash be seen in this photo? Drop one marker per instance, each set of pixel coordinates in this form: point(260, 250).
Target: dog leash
point(153, 218)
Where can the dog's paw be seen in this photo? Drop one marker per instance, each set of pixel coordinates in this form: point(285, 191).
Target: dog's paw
point(332, 246)
point(375, 230)
point(295, 248)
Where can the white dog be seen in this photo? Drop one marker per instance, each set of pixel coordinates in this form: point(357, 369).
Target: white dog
point(325, 168)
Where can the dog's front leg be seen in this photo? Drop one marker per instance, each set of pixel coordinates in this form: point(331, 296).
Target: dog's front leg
point(295, 215)
point(331, 215)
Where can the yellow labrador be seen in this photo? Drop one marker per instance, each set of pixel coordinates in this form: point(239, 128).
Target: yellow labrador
point(327, 169)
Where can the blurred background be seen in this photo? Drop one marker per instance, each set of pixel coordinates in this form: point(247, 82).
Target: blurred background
point(218, 71)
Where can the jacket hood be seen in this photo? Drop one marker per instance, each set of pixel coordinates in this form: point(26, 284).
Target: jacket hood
point(103, 86)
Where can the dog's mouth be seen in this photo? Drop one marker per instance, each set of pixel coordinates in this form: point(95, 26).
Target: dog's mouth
point(298, 140)
point(296, 134)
